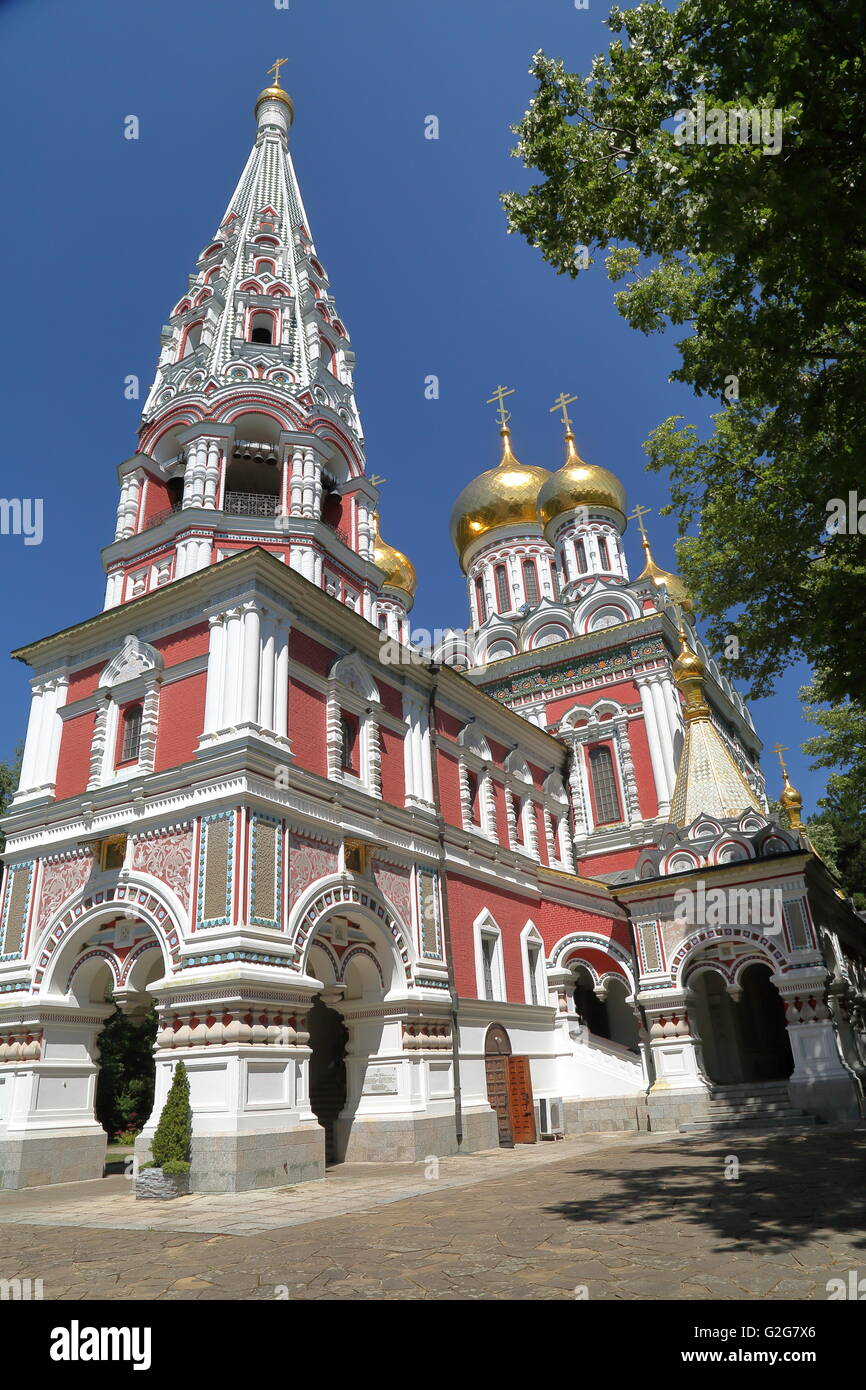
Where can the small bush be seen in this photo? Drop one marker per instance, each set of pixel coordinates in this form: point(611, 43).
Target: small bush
point(173, 1135)
point(174, 1167)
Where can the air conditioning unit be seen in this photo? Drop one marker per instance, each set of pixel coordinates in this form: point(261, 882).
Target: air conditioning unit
point(550, 1124)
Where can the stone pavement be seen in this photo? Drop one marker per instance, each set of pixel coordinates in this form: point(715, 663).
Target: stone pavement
point(621, 1216)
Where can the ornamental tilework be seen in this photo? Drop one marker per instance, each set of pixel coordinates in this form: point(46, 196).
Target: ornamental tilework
point(60, 879)
point(168, 856)
point(309, 860)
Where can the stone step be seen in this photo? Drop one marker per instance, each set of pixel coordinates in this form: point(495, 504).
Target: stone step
point(710, 1125)
point(764, 1088)
point(768, 1107)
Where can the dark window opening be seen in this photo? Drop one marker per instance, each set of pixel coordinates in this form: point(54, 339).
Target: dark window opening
point(604, 785)
point(131, 745)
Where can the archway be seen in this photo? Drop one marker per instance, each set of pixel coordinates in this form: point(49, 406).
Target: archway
point(741, 1027)
point(356, 1042)
point(604, 1008)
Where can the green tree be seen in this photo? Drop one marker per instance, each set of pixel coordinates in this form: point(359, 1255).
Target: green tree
point(9, 774)
point(760, 258)
point(171, 1142)
point(124, 1090)
point(842, 810)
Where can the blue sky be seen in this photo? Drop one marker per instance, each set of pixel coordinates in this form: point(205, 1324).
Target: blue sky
point(100, 234)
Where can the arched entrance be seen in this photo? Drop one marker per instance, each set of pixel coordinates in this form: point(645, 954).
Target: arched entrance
point(742, 1028)
point(328, 1086)
point(357, 1063)
point(604, 1008)
point(509, 1089)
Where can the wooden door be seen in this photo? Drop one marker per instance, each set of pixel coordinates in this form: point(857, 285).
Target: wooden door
point(498, 1095)
point(520, 1100)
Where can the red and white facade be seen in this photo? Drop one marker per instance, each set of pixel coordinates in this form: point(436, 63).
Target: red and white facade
point(236, 801)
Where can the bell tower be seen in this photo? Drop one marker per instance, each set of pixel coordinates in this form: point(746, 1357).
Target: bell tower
point(250, 433)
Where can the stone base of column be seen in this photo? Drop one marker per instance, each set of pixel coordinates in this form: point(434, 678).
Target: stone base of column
point(250, 1162)
point(833, 1099)
point(412, 1138)
point(51, 1156)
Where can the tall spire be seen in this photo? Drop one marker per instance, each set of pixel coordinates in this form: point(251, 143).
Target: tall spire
point(258, 306)
point(708, 780)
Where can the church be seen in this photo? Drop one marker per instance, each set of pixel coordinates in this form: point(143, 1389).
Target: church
point(391, 902)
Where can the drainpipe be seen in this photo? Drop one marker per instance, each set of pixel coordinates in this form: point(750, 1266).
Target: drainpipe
point(446, 915)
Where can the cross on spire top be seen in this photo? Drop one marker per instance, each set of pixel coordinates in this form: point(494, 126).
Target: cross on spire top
point(779, 749)
point(276, 70)
point(561, 402)
point(638, 515)
point(499, 395)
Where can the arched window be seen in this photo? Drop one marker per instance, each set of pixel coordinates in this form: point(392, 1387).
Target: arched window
point(262, 328)
point(265, 268)
point(603, 556)
point(131, 743)
point(500, 575)
point(604, 785)
point(480, 601)
point(192, 339)
point(530, 581)
point(580, 552)
point(554, 579)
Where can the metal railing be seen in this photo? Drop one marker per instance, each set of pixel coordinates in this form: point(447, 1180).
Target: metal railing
point(159, 517)
point(250, 504)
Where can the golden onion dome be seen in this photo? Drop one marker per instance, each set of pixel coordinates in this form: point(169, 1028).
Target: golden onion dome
point(579, 484)
point(689, 673)
point(503, 496)
point(275, 94)
point(676, 589)
point(399, 571)
point(791, 801)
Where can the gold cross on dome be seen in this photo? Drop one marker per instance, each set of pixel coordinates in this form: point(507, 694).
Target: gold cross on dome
point(638, 515)
point(560, 403)
point(276, 70)
point(499, 395)
point(779, 749)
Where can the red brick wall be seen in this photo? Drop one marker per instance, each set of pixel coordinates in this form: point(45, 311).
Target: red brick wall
point(307, 727)
point(73, 769)
point(181, 720)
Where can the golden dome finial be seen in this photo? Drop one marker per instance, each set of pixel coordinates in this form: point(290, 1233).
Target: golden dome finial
point(689, 672)
point(676, 589)
point(275, 92)
point(790, 799)
point(399, 570)
point(501, 496)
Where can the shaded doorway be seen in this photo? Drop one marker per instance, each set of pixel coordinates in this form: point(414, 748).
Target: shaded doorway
point(765, 1041)
point(612, 1018)
point(328, 1038)
point(743, 1040)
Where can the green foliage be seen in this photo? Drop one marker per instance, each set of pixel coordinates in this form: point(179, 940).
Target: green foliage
point(762, 259)
point(124, 1091)
point(9, 776)
point(842, 810)
point(173, 1136)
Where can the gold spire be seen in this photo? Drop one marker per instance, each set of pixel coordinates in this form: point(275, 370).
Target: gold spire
point(653, 573)
point(708, 780)
point(790, 799)
point(275, 92)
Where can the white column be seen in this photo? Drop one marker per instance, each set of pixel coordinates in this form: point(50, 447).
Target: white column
point(59, 692)
point(29, 762)
point(668, 759)
point(656, 757)
point(215, 669)
point(296, 484)
point(251, 662)
point(281, 682)
point(228, 712)
point(266, 679)
point(212, 473)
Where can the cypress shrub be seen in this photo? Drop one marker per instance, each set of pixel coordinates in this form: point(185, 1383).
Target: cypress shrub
point(171, 1142)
